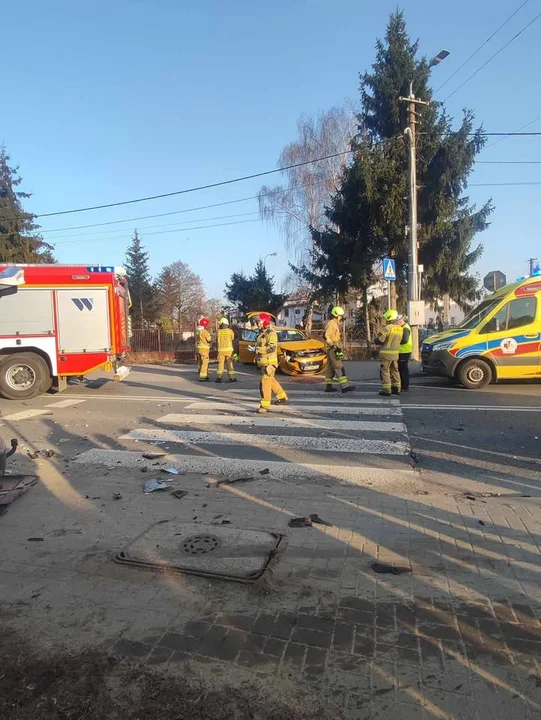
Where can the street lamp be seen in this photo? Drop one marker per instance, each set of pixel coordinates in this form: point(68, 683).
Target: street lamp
point(436, 60)
point(274, 254)
point(414, 295)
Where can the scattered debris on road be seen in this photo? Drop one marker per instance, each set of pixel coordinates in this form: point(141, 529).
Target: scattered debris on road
point(35, 539)
point(41, 453)
point(153, 455)
point(12, 486)
point(179, 493)
point(152, 485)
point(171, 471)
point(265, 471)
point(232, 481)
point(384, 568)
point(300, 522)
point(319, 521)
point(117, 496)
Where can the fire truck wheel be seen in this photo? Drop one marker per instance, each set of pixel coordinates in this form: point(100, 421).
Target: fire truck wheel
point(23, 376)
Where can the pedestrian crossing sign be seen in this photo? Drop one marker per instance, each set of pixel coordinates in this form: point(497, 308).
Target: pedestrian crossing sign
point(389, 269)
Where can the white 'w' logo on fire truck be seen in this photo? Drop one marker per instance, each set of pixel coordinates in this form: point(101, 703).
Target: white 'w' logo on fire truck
point(82, 303)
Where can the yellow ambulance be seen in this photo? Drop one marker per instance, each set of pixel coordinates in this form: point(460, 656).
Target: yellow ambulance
point(499, 340)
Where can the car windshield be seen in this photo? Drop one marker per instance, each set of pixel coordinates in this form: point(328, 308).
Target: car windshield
point(290, 336)
point(479, 314)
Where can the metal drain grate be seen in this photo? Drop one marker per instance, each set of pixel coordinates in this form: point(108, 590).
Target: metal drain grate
point(200, 544)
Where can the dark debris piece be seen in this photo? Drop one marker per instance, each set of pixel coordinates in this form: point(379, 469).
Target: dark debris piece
point(179, 493)
point(300, 522)
point(319, 521)
point(384, 568)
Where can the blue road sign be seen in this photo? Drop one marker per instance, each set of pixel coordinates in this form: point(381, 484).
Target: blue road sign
point(389, 269)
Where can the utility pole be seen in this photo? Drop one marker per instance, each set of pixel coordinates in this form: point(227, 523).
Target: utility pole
point(414, 295)
point(413, 273)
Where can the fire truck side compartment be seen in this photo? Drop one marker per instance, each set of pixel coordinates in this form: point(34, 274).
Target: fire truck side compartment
point(83, 320)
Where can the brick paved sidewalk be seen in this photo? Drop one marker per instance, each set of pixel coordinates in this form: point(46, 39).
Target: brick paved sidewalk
point(459, 637)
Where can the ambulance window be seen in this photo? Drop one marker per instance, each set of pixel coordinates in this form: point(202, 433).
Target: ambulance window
point(515, 314)
point(521, 312)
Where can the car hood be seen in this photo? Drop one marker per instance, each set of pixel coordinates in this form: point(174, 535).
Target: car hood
point(447, 336)
point(296, 345)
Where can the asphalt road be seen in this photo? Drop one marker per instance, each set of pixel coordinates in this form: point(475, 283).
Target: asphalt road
point(448, 438)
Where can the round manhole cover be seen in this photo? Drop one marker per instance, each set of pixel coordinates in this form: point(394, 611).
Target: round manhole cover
point(200, 544)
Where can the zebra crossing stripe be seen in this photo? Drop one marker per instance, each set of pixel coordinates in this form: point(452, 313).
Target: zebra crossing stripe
point(289, 421)
point(26, 415)
point(197, 464)
point(298, 442)
point(295, 410)
point(65, 403)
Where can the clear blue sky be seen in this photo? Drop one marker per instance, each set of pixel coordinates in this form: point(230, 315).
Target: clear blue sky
point(108, 101)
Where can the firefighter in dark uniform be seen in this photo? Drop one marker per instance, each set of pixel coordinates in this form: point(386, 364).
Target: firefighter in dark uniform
point(404, 354)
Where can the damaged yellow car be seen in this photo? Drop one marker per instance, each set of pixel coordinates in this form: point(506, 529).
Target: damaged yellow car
point(297, 354)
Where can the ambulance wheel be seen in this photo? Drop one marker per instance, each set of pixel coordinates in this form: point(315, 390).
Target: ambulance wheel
point(474, 374)
point(23, 376)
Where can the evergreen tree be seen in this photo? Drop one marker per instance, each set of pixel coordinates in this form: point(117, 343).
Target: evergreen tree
point(445, 159)
point(20, 241)
point(367, 216)
point(255, 292)
point(142, 293)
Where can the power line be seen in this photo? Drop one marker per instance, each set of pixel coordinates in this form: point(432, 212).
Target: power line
point(508, 162)
point(195, 189)
point(467, 80)
point(160, 232)
point(522, 127)
point(482, 46)
point(239, 200)
point(292, 188)
point(502, 184)
point(151, 227)
point(149, 217)
point(235, 180)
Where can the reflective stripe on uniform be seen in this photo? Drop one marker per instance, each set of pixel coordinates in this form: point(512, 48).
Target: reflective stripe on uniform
point(203, 340)
point(267, 348)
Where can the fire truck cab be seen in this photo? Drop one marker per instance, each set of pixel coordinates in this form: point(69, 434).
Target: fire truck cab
point(60, 321)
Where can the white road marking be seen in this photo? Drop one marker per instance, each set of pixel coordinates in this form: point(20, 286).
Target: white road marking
point(65, 403)
point(266, 421)
point(337, 401)
point(295, 410)
point(27, 414)
point(316, 393)
point(455, 408)
point(267, 442)
point(355, 474)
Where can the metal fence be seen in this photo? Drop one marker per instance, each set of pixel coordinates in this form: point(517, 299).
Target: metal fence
point(150, 340)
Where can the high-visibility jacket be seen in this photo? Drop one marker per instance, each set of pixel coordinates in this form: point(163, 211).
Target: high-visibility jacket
point(203, 339)
point(406, 346)
point(333, 335)
point(266, 348)
point(225, 339)
point(390, 338)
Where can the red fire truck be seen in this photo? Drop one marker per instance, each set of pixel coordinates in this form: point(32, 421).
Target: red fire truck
point(60, 321)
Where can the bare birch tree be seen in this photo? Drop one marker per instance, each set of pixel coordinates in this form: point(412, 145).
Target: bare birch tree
point(298, 206)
